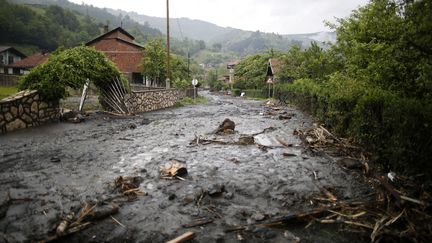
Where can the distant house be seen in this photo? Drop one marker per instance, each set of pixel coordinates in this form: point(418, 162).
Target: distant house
point(232, 64)
point(9, 55)
point(231, 68)
point(119, 47)
point(224, 79)
point(273, 71)
point(24, 65)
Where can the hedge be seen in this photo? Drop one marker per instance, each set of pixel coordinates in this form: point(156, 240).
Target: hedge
point(396, 129)
point(252, 93)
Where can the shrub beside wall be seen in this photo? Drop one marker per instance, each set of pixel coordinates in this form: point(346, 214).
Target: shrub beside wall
point(396, 129)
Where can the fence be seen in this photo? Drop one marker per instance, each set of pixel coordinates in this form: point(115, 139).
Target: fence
point(9, 80)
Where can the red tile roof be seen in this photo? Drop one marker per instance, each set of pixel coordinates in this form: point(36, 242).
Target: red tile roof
point(31, 61)
point(233, 63)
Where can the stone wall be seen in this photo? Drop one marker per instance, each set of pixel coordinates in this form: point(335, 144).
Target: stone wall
point(26, 109)
point(150, 100)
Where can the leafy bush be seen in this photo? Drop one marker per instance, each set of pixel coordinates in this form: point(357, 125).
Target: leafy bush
point(394, 128)
point(256, 93)
point(236, 92)
point(181, 83)
point(70, 68)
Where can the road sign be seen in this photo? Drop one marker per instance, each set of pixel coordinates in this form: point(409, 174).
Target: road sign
point(270, 81)
point(194, 82)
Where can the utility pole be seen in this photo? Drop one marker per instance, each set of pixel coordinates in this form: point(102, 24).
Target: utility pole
point(168, 49)
point(188, 63)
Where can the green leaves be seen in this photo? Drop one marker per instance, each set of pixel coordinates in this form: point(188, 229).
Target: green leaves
point(70, 68)
point(154, 62)
point(250, 73)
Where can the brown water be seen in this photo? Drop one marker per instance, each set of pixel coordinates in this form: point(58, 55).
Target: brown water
point(50, 169)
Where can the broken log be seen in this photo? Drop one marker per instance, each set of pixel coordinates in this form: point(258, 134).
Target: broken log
point(199, 222)
point(283, 142)
point(61, 228)
point(102, 212)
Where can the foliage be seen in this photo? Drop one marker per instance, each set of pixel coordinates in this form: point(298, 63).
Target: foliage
point(250, 73)
point(190, 101)
point(388, 43)
point(256, 93)
point(181, 83)
point(56, 27)
point(154, 63)
point(375, 84)
point(70, 68)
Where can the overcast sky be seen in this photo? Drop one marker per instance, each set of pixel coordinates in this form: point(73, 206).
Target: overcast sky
point(279, 16)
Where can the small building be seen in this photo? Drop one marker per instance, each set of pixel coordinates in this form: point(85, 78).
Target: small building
point(231, 68)
point(9, 55)
point(118, 46)
point(232, 64)
point(273, 71)
point(224, 79)
point(24, 65)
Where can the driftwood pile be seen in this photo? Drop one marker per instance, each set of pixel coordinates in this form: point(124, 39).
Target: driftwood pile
point(129, 186)
point(89, 213)
point(401, 209)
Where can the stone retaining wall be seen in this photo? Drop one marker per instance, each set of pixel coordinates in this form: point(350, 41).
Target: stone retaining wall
point(150, 100)
point(26, 109)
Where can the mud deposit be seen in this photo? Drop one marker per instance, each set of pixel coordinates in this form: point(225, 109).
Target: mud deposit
point(48, 171)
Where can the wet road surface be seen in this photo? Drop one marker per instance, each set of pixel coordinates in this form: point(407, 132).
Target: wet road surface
point(49, 170)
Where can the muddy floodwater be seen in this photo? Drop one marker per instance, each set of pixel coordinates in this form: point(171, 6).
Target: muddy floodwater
point(49, 171)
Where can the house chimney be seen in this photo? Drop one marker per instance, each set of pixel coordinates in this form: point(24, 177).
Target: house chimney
point(105, 30)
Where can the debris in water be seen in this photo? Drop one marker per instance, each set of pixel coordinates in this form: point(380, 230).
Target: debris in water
point(226, 127)
point(199, 222)
point(183, 238)
point(129, 186)
point(174, 169)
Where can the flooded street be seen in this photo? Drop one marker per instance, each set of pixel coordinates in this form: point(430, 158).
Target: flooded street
point(48, 171)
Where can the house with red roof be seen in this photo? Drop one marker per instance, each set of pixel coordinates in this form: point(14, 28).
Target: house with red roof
point(24, 65)
point(119, 47)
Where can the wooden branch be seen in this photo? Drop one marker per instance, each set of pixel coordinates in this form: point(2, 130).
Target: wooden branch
point(198, 223)
point(184, 237)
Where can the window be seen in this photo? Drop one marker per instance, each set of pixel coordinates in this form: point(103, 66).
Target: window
point(1, 60)
point(11, 60)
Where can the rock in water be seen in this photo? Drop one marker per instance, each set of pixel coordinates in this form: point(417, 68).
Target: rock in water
point(227, 126)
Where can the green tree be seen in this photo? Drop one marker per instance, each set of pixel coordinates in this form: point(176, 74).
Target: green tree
point(250, 73)
point(389, 44)
point(70, 68)
point(154, 63)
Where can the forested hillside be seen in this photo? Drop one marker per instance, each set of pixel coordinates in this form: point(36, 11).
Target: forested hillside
point(234, 40)
point(44, 27)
